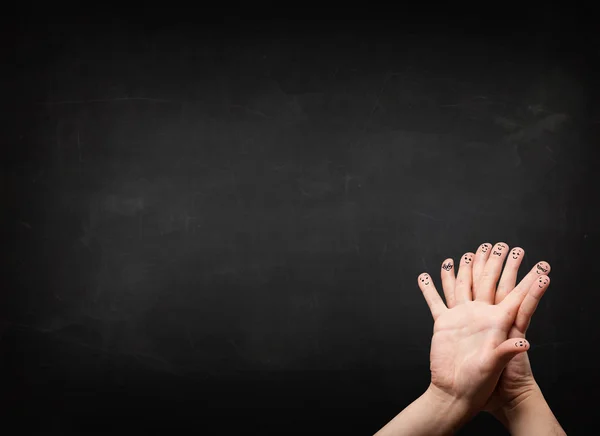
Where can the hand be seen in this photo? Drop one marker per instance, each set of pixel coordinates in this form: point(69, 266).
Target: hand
point(516, 383)
point(470, 345)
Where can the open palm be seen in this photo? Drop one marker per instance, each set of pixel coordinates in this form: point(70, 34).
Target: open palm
point(470, 345)
point(465, 354)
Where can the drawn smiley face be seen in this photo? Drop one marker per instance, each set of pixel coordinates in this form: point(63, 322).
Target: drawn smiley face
point(542, 281)
point(468, 258)
point(542, 268)
point(447, 266)
point(485, 248)
point(425, 279)
point(521, 343)
point(516, 253)
point(498, 249)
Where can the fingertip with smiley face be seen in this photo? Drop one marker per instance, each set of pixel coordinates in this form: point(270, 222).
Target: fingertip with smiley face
point(540, 286)
point(467, 258)
point(425, 279)
point(517, 253)
point(522, 343)
point(542, 267)
point(485, 247)
point(499, 249)
point(543, 281)
point(447, 264)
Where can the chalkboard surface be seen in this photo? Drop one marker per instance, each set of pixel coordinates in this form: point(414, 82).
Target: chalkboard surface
point(225, 228)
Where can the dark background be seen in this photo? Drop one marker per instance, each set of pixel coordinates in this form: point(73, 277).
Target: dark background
point(217, 220)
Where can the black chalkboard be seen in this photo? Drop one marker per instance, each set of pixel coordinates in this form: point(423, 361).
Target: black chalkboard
point(227, 220)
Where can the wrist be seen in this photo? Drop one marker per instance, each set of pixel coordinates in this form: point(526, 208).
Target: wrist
point(434, 413)
point(531, 401)
point(452, 412)
point(531, 394)
point(531, 415)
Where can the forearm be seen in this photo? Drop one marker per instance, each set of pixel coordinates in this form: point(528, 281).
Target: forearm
point(531, 415)
point(431, 414)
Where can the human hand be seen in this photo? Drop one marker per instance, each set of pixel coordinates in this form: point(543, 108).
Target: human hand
point(470, 345)
point(516, 383)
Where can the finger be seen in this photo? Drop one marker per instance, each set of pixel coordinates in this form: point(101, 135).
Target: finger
point(464, 279)
point(448, 282)
point(508, 280)
point(481, 256)
point(541, 267)
point(530, 302)
point(509, 349)
point(486, 286)
point(434, 301)
point(512, 302)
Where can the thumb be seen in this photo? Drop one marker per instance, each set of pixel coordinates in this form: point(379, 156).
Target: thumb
point(509, 349)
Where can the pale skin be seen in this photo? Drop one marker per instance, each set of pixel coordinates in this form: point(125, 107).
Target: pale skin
point(477, 335)
point(518, 401)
